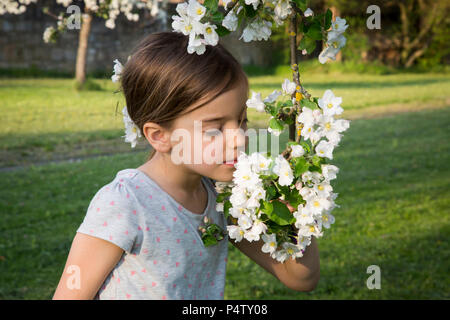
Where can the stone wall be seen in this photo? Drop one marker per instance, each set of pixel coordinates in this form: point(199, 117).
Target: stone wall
point(22, 46)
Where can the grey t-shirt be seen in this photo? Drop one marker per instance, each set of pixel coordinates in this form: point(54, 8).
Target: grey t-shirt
point(164, 256)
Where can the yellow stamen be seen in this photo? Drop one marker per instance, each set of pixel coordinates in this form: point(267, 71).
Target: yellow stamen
point(208, 30)
point(328, 125)
point(272, 244)
point(316, 204)
point(199, 11)
point(330, 105)
point(298, 96)
point(311, 229)
point(320, 187)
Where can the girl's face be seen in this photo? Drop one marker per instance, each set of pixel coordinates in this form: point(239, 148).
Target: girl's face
point(208, 139)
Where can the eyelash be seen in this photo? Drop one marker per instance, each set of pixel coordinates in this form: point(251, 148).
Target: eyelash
point(213, 132)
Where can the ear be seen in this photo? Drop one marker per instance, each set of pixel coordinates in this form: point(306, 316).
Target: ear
point(157, 136)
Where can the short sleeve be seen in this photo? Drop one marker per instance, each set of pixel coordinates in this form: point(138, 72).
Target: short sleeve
point(111, 216)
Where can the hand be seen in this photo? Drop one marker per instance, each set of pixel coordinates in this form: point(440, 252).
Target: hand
point(291, 208)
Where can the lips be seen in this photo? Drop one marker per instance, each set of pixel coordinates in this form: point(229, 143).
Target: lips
point(230, 162)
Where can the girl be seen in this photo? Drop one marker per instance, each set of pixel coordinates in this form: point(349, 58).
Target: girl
point(140, 237)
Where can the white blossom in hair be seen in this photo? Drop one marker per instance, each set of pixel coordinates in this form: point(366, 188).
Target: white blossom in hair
point(132, 132)
point(118, 67)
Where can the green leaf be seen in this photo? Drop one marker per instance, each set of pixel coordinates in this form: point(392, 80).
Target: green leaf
point(305, 146)
point(222, 196)
point(267, 208)
point(307, 44)
point(249, 11)
point(209, 240)
point(328, 17)
point(301, 4)
point(307, 103)
point(316, 160)
point(222, 31)
point(301, 166)
point(281, 214)
point(295, 198)
point(315, 31)
point(271, 192)
point(217, 17)
point(211, 5)
point(276, 124)
point(226, 208)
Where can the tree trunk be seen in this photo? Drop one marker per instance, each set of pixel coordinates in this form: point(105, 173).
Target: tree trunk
point(80, 69)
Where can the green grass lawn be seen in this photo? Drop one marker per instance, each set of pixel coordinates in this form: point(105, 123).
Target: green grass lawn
point(46, 118)
point(394, 193)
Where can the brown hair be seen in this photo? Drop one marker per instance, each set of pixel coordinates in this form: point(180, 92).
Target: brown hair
point(161, 79)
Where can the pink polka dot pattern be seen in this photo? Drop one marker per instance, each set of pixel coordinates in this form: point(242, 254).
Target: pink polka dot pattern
point(164, 256)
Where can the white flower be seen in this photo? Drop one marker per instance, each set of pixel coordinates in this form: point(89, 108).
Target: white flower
point(336, 42)
point(331, 128)
point(283, 9)
point(256, 102)
point(328, 53)
point(303, 241)
point(326, 220)
point(316, 205)
point(230, 21)
point(307, 117)
point(323, 189)
point(132, 132)
point(196, 44)
point(288, 86)
point(308, 133)
point(311, 177)
point(48, 33)
point(297, 151)
point(259, 163)
point(290, 248)
point(235, 232)
point(257, 30)
point(210, 34)
point(273, 96)
point(329, 171)
point(118, 67)
point(255, 3)
point(219, 206)
point(330, 104)
point(245, 222)
point(257, 194)
point(238, 197)
point(338, 27)
point(310, 230)
point(302, 217)
point(270, 243)
point(325, 149)
point(246, 178)
point(195, 10)
point(283, 169)
point(308, 13)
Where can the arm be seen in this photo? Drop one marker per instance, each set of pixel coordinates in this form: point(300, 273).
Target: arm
point(94, 258)
point(301, 274)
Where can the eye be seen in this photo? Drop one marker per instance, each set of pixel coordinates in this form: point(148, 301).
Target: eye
point(213, 132)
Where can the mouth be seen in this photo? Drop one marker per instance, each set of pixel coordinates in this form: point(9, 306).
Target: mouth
point(230, 163)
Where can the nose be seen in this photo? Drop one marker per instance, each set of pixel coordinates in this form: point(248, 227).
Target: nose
point(236, 140)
